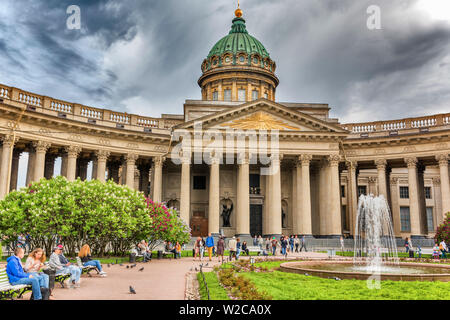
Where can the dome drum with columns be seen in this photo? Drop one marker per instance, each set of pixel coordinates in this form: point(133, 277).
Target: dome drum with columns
point(238, 68)
point(323, 165)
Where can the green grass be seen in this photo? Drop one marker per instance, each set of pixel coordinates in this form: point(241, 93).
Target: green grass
point(290, 286)
point(216, 291)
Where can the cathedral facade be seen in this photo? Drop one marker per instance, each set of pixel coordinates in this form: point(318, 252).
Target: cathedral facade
point(238, 162)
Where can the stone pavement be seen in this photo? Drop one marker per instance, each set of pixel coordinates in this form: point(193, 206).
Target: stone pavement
point(164, 279)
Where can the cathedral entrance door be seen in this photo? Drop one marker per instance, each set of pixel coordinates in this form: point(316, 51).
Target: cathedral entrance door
point(256, 219)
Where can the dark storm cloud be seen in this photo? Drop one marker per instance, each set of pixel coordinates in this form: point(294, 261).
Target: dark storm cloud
point(144, 56)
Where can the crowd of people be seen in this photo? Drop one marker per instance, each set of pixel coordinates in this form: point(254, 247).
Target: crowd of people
point(41, 274)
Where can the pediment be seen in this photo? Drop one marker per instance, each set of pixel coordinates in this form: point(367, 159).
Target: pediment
point(262, 115)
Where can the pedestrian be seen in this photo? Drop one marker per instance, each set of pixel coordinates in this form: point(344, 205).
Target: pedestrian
point(260, 242)
point(303, 244)
point(341, 239)
point(255, 241)
point(436, 251)
point(274, 246)
point(284, 244)
point(443, 249)
point(296, 243)
point(291, 243)
point(220, 248)
point(232, 247)
point(197, 245)
point(202, 248)
point(407, 245)
point(238, 248)
point(209, 245)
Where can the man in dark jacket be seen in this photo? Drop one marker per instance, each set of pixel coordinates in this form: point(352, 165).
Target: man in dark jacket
point(17, 276)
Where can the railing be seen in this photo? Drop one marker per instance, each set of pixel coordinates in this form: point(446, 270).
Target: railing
point(60, 106)
point(410, 123)
point(204, 282)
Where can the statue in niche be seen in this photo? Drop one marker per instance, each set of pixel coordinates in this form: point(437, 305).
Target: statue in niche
point(227, 209)
point(283, 218)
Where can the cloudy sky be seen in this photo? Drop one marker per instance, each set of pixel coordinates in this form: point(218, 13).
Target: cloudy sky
point(144, 56)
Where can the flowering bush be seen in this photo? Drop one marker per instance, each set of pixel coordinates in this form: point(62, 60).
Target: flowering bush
point(167, 225)
point(443, 231)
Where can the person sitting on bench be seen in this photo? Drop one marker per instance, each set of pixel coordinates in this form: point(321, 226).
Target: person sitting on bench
point(60, 268)
point(170, 248)
point(85, 256)
point(17, 276)
point(244, 248)
point(145, 251)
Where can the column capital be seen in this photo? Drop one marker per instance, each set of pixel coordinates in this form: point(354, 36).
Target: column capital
point(351, 165)
point(9, 140)
point(159, 161)
point(372, 180)
point(442, 159)
point(381, 164)
point(393, 181)
point(41, 146)
point(304, 159)
point(411, 162)
point(131, 157)
point(243, 158)
point(333, 160)
point(102, 155)
point(73, 151)
point(436, 181)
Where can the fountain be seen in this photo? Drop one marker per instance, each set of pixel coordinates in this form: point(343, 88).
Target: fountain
point(375, 252)
point(374, 243)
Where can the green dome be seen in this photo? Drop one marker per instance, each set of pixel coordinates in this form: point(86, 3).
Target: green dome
point(238, 40)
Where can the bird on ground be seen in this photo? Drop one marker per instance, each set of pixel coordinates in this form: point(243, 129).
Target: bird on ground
point(132, 291)
point(141, 269)
point(206, 264)
point(109, 265)
point(337, 279)
point(192, 269)
point(128, 267)
point(307, 274)
point(196, 269)
point(133, 265)
point(121, 265)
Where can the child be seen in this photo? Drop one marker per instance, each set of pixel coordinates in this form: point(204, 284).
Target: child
point(419, 252)
point(436, 251)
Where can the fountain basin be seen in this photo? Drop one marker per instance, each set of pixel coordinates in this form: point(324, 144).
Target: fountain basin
point(346, 270)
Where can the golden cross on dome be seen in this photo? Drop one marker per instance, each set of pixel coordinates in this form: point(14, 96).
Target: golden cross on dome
point(238, 11)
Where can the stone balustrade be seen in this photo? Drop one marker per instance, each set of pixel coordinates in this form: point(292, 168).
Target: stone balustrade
point(75, 111)
point(416, 124)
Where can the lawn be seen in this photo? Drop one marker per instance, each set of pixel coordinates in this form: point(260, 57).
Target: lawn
point(216, 291)
point(289, 286)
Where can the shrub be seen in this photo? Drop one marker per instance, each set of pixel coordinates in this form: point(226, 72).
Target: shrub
point(443, 231)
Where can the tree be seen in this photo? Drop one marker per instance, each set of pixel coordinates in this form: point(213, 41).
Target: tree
point(443, 231)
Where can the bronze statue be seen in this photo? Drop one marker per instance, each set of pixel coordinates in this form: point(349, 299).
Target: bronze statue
point(226, 213)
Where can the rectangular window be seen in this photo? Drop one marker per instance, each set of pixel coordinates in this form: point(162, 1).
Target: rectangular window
point(266, 96)
point(255, 95)
point(430, 223)
point(427, 192)
point(241, 94)
point(215, 95)
point(362, 190)
point(227, 95)
point(404, 192)
point(405, 221)
point(343, 191)
point(199, 182)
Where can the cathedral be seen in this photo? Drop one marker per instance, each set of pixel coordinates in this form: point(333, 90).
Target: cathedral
point(239, 162)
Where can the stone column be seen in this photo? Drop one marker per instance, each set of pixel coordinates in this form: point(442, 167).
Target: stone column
point(5, 171)
point(395, 208)
point(185, 192)
point(214, 196)
point(220, 89)
point(414, 203)
point(94, 169)
point(352, 193)
point(72, 154)
point(324, 197)
point(14, 170)
point(445, 185)
point(30, 166)
point(41, 148)
point(131, 162)
point(102, 157)
point(249, 91)
point(275, 218)
point(381, 169)
point(49, 169)
point(303, 196)
point(334, 209)
point(64, 164)
point(243, 196)
point(158, 163)
point(234, 93)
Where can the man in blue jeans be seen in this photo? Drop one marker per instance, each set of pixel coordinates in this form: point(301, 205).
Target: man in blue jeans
point(17, 276)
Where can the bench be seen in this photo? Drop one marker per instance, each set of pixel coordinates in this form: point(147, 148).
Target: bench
point(252, 249)
point(8, 291)
point(167, 253)
point(86, 269)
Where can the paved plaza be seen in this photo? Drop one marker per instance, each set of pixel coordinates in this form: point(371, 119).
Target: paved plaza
point(163, 279)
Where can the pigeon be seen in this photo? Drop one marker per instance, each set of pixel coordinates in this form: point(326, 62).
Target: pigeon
point(192, 269)
point(121, 265)
point(133, 265)
point(128, 267)
point(109, 265)
point(196, 269)
point(307, 274)
point(206, 264)
point(141, 269)
point(337, 279)
point(132, 291)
